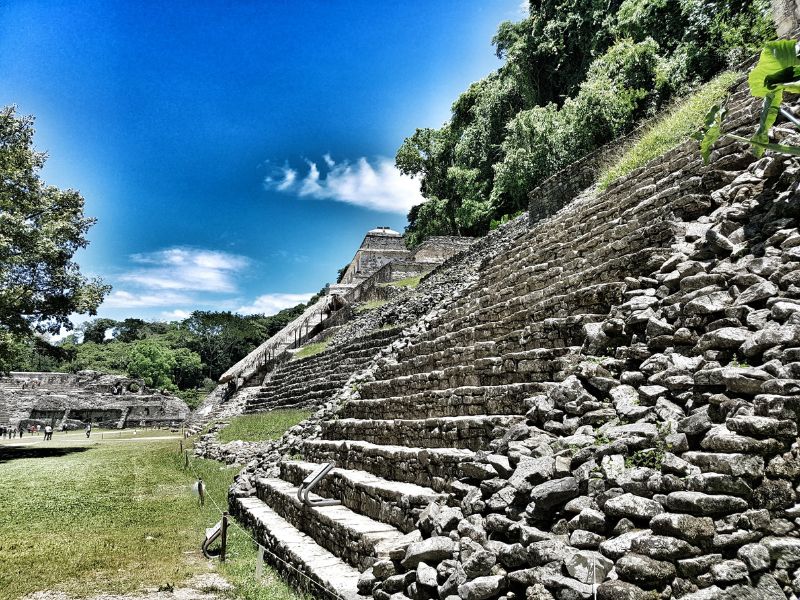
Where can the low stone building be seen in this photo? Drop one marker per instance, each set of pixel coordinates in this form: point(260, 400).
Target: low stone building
point(72, 400)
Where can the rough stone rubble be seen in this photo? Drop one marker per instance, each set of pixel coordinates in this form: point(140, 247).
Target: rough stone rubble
point(668, 464)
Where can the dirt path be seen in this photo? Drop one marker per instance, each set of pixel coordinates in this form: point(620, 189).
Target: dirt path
point(207, 586)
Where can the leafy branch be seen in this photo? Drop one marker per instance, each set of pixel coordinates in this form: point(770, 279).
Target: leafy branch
point(777, 71)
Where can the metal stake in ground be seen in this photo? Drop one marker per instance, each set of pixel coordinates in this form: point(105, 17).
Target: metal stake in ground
point(224, 538)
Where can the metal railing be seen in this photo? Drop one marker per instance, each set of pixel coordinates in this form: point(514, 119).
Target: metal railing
point(310, 482)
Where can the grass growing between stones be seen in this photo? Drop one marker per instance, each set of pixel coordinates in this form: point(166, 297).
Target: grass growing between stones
point(370, 305)
point(114, 516)
point(261, 426)
point(676, 126)
point(311, 350)
point(408, 282)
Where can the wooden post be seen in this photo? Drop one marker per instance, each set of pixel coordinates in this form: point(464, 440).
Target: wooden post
point(260, 562)
point(224, 537)
point(186, 462)
point(201, 491)
point(181, 450)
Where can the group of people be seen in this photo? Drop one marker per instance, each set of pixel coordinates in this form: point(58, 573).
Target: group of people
point(8, 432)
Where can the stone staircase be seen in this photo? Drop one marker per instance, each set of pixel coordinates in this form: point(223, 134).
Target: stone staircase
point(309, 381)
point(581, 414)
point(457, 388)
point(291, 336)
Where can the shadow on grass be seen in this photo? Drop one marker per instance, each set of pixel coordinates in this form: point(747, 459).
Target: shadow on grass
point(9, 453)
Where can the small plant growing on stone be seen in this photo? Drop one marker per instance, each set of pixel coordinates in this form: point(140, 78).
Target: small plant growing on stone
point(649, 457)
point(601, 440)
point(735, 363)
point(652, 458)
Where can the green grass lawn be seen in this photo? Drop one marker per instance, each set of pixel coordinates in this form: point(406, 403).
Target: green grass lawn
point(116, 516)
point(261, 426)
point(311, 350)
point(370, 305)
point(674, 127)
point(408, 282)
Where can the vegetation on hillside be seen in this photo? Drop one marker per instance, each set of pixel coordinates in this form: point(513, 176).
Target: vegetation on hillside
point(576, 74)
point(777, 72)
point(311, 350)
point(677, 125)
point(259, 427)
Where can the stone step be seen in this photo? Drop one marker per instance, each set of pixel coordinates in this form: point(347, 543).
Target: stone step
point(581, 286)
point(392, 502)
point(288, 373)
point(513, 357)
point(333, 578)
point(354, 537)
point(455, 402)
point(303, 386)
point(434, 468)
point(537, 366)
point(472, 432)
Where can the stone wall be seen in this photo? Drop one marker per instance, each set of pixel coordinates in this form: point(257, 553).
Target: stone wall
point(71, 400)
point(786, 14)
point(377, 249)
point(375, 288)
point(437, 249)
point(558, 190)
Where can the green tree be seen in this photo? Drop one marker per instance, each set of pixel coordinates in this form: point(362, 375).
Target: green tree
point(576, 74)
point(95, 330)
point(41, 228)
point(153, 362)
point(188, 370)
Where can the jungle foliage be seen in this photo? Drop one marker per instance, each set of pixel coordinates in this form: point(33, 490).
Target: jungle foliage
point(576, 74)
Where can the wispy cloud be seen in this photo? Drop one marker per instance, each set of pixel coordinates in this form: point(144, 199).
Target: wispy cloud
point(270, 304)
point(125, 299)
point(176, 315)
point(187, 269)
point(169, 284)
point(376, 186)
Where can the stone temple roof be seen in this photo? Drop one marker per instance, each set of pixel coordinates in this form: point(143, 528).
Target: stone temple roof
point(383, 231)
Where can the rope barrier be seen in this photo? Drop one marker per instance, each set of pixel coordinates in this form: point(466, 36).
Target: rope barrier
point(288, 565)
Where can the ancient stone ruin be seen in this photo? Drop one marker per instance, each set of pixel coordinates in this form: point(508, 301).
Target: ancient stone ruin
point(602, 401)
point(270, 377)
point(72, 400)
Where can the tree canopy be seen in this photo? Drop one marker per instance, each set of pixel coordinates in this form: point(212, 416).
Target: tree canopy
point(576, 74)
point(41, 229)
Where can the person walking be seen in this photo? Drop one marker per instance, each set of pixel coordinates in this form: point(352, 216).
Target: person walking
point(88, 430)
point(48, 432)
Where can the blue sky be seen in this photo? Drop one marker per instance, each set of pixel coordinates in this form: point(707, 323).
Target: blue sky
point(235, 153)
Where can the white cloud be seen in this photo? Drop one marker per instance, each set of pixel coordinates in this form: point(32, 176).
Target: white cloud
point(186, 269)
point(285, 177)
point(125, 299)
point(176, 315)
point(379, 186)
point(270, 304)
